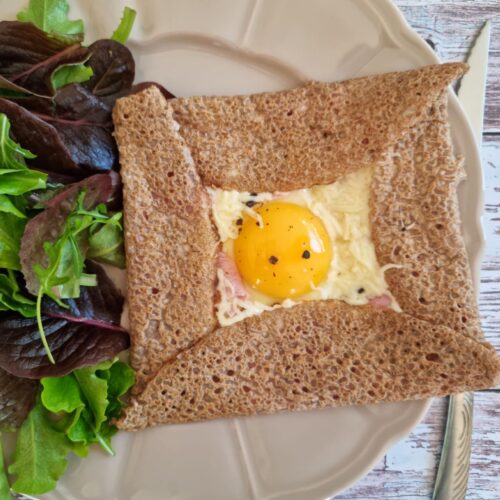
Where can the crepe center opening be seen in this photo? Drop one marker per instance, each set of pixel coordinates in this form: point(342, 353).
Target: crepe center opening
point(279, 249)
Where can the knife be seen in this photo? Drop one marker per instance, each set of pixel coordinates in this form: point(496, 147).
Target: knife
point(453, 471)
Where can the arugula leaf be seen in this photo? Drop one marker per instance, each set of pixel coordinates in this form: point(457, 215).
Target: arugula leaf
point(71, 73)
point(40, 457)
point(15, 177)
point(51, 16)
point(11, 232)
point(4, 482)
point(63, 276)
point(11, 298)
point(122, 33)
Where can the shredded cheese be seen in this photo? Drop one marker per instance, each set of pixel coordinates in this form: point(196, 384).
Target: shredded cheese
point(354, 275)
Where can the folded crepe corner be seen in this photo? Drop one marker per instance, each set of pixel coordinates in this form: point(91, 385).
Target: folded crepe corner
point(319, 353)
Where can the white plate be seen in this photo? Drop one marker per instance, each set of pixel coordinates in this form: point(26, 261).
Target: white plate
point(242, 46)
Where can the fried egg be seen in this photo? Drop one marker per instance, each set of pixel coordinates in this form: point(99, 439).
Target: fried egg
point(279, 249)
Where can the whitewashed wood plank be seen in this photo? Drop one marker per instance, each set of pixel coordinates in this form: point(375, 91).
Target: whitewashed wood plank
point(484, 481)
point(489, 300)
point(409, 468)
point(451, 26)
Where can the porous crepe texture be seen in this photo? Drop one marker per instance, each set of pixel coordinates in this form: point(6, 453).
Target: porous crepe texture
point(170, 242)
point(314, 134)
point(321, 353)
point(415, 224)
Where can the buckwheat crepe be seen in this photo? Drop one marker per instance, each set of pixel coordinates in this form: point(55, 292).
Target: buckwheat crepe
point(318, 353)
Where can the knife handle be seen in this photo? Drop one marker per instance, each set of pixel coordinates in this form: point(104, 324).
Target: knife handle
point(453, 471)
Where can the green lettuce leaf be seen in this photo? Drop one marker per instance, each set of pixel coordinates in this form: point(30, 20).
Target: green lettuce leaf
point(122, 33)
point(61, 394)
point(4, 482)
point(40, 457)
point(106, 243)
point(90, 398)
point(11, 232)
point(94, 390)
point(11, 297)
point(51, 16)
point(17, 182)
point(15, 177)
point(71, 73)
point(8, 206)
point(72, 412)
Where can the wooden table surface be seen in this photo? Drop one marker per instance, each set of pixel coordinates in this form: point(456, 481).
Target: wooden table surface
point(409, 469)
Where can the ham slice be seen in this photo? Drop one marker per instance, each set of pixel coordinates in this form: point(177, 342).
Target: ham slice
point(231, 272)
point(381, 302)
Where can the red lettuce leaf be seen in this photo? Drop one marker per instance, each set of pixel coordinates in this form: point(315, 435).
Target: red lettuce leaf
point(48, 225)
point(30, 56)
point(113, 67)
point(17, 397)
point(70, 130)
point(85, 334)
point(96, 306)
point(70, 133)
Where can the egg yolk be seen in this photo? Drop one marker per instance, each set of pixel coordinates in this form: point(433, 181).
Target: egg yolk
point(284, 254)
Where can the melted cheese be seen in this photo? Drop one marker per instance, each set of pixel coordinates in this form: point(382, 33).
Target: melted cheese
point(354, 275)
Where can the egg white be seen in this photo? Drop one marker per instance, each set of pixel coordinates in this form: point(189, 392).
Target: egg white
point(354, 275)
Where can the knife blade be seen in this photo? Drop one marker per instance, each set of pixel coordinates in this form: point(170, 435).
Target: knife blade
point(453, 471)
point(472, 90)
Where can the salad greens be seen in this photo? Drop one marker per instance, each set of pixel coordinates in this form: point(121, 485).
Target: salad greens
point(85, 332)
point(8, 206)
point(15, 177)
point(11, 297)
point(51, 16)
point(71, 73)
point(59, 93)
point(56, 98)
point(106, 243)
point(40, 455)
point(11, 232)
point(64, 274)
point(72, 413)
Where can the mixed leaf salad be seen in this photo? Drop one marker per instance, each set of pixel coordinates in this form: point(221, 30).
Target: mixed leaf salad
point(61, 382)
